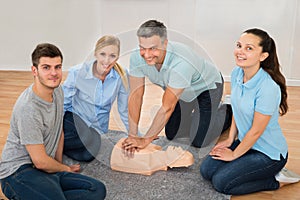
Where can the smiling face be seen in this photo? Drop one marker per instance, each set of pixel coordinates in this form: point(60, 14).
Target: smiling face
point(106, 58)
point(48, 73)
point(248, 52)
point(152, 49)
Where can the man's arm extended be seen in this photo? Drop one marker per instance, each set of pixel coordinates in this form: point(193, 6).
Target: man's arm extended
point(170, 98)
point(135, 101)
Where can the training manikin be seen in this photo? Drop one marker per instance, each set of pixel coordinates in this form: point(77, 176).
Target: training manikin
point(150, 159)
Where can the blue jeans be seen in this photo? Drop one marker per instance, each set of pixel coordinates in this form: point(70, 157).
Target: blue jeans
point(81, 142)
point(252, 172)
point(29, 183)
point(203, 119)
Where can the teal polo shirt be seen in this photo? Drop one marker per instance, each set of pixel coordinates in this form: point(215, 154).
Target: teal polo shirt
point(260, 94)
point(181, 69)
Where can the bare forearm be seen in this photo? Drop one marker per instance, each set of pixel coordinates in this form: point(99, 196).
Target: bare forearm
point(134, 110)
point(51, 165)
point(43, 161)
point(59, 151)
point(260, 122)
point(159, 122)
point(246, 144)
point(169, 101)
point(233, 131)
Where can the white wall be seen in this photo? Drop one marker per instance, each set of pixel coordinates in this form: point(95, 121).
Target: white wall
point(73, 25)
point(211, 26)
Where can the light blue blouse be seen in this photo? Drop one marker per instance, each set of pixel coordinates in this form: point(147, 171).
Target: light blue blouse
point(259, 94)
point(91, 99)
point(182, 69)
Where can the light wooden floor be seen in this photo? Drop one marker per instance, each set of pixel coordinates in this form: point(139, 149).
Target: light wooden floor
point(12, 83)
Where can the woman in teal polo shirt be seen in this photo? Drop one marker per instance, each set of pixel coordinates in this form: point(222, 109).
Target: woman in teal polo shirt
point(255, 150)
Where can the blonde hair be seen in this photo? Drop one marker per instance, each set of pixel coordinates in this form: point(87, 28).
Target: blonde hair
point(108, 40)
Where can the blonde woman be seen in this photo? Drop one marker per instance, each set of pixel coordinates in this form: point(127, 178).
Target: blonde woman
point(89, 92)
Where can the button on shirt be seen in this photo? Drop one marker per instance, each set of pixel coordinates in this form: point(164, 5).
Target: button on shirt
point(182, 69)
point(92, 99)
point(259, 94)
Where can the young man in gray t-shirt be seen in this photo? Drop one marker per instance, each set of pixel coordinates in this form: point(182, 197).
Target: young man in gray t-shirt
point(31, 165)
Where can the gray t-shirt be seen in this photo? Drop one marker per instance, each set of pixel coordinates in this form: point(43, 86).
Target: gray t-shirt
point(33, 121)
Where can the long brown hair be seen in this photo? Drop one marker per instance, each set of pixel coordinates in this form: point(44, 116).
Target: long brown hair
point(271, 64)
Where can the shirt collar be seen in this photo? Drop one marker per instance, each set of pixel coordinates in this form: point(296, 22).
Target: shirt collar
point(253, 81)
point(169, 50)
point(90, 75)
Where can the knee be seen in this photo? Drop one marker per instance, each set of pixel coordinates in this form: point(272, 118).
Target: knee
point(100, 191)
point(170, 135)
point(205, 170)
point(86, 157)
point(220, 184)
point(97, 191)
point(82, 156)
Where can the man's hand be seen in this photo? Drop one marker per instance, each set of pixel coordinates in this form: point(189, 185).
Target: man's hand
point(134, 143)
point(75, 168)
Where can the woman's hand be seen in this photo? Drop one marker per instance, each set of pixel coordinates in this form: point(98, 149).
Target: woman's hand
point(222, 153)
point(223, 144)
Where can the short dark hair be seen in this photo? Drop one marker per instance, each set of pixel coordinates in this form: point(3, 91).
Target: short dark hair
point(152, 27)
point(45, 50)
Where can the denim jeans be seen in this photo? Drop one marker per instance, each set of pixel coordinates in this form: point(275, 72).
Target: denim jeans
point(202, 120)
point(29, 183)
point(81, 142)
point(252, 172)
